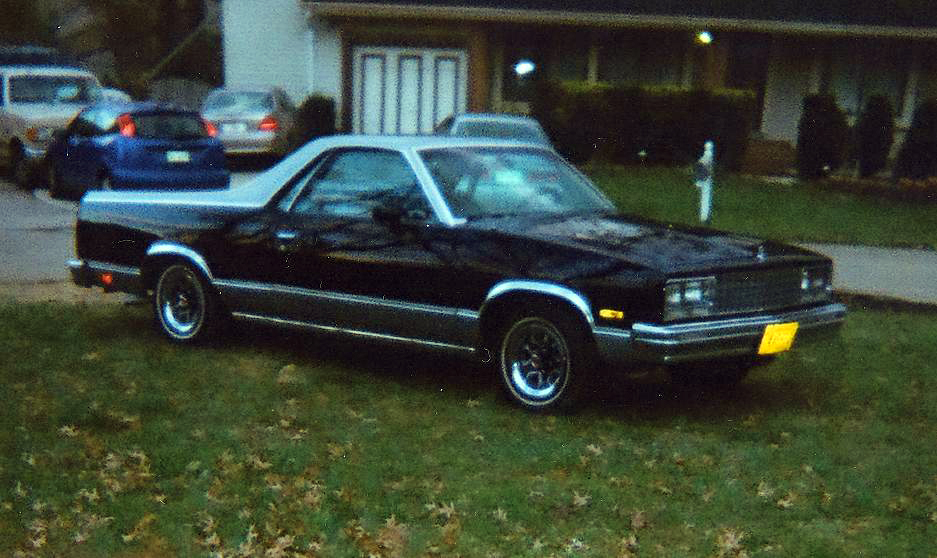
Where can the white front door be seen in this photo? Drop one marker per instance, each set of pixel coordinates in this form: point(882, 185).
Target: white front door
point(404, 90)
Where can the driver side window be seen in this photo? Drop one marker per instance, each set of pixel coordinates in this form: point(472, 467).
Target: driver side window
point(353, 182)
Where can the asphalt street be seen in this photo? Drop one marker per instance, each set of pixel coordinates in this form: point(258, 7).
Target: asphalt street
point(36, 240)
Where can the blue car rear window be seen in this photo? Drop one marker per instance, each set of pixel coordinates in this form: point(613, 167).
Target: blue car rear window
point(169, 126)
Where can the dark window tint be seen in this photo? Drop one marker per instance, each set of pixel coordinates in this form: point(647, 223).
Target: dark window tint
point(169, 126)
point(353, 182)
point(50, 89)
point(506, 130)
point(239, 101)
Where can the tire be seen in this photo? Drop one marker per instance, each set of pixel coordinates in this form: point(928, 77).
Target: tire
point(54, 181)
point(543, 358)
point(19, 168)
point(186, 310)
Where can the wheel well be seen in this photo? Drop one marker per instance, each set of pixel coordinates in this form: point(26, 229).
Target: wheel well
point(155, 264)
point(498, 311)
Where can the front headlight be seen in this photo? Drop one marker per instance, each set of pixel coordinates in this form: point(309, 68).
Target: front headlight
point(689, 298)
point(816, 284)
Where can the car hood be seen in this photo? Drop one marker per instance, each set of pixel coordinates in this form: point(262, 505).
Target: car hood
point(657, 246)
point(53, 115)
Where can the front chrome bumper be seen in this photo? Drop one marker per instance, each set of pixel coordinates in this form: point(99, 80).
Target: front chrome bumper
point(110, 277)
point(686, 342)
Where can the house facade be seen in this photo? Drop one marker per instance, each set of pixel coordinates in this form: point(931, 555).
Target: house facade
point(402, 66)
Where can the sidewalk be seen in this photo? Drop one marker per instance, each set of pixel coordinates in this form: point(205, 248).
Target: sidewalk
point(903, 274)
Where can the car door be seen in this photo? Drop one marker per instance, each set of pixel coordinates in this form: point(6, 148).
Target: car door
point(365, 253)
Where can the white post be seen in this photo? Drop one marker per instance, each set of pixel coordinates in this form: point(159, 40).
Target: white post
point(703, 179)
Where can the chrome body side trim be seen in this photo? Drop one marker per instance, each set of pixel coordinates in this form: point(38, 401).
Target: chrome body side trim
point(167, 248)
point(577, 299)
point(352, 332)
point(354, 313)
point(710, 339)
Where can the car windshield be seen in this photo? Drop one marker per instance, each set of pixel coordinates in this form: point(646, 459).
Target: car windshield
point(51, 89)
point(239, 101)
point(493, 182)
point(506, 130)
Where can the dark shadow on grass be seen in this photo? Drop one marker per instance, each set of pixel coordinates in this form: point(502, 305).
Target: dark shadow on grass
point(653, 397)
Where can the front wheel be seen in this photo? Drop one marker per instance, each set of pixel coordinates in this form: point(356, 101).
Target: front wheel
point(542, 360)
point(185, 309)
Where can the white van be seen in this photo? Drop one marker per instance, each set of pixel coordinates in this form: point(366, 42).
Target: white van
point(35, 102)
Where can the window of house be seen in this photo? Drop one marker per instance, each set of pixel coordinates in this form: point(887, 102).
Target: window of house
point(558, 56)
point(856, 71)
point(643, 58)
point(746, 67)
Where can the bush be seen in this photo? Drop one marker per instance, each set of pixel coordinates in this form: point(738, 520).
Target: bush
point(668, 125)
point(314, 118)
point(875, 134)
point(822, 137)
point(918, 156)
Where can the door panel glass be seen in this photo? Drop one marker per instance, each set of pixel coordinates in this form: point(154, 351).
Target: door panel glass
point(354, 182)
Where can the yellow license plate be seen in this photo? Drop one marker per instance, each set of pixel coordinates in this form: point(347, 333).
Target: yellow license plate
point(777, 338)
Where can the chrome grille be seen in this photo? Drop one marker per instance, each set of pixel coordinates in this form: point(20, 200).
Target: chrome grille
point(756, 290)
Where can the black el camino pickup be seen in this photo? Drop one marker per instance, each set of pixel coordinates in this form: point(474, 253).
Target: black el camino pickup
point(490, 247)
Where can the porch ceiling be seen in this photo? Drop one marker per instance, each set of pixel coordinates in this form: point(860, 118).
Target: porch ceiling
point(911, 19)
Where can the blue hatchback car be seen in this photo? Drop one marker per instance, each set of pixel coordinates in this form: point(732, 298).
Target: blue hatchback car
point(136, 145)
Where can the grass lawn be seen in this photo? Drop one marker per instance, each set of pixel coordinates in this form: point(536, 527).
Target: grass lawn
point(796, 212)
point(117, 443)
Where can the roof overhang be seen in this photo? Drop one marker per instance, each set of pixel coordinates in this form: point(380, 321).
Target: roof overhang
point(606, 20)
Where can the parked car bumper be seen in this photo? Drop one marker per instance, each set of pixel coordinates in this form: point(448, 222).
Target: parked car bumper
point(248, 143)
point(110, 277)
point(694, 341)
point(161, 180)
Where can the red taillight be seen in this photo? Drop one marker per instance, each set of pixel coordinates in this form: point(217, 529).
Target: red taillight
point(107, 279)
point(268, 124)
point(127, 127)
point(210, 129)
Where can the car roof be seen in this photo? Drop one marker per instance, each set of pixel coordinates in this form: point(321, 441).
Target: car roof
point(492, 116)
point(139, 106)
point(415, 142)
point(245, 89)
point(45, 70)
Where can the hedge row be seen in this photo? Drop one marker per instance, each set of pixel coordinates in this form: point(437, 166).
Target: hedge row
point(628, 124)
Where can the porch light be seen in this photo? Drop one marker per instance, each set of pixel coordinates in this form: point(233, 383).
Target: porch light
point(704, 37)
point(524, 67)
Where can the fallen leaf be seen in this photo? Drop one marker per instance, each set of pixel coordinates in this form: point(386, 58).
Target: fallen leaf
point(68, 431)
point(787, 501)
point(580, 500)
point(638, 521)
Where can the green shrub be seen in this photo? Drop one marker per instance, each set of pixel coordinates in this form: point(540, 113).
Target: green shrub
point(875, 133)
point(918, 156)
point(664, 125)
point(822, 137)
point(314, 118)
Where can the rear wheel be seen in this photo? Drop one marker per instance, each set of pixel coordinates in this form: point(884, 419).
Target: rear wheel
point(543, 358)
point(186, 310)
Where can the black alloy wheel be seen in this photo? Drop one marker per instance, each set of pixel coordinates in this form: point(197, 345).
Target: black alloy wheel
point(185, 309)
point(542, 359)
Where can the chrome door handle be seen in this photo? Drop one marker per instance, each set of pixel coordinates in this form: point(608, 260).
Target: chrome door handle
point(286, 235)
